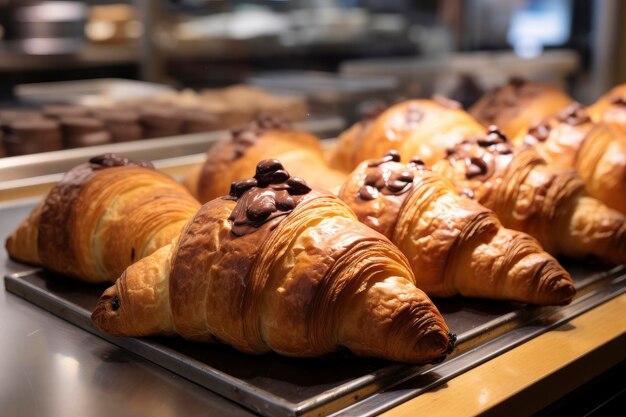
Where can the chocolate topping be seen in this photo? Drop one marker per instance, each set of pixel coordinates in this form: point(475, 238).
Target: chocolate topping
point(245, 136)
point(517, 82)
point(109, 160)
point(575, 115)
point(387, 182)
point(481, 162)
point(538, 133)
point(271, 194)
point(390, 156)
point(619, 100)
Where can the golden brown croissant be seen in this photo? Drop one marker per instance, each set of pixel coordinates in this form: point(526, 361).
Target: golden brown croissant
point(546, 202)
point(516, 106)
point(414, 127)
point(453, 244)
point(278, 266)
point(611, 108)
point(235, 157)
point(101, 217)
point(596, 150)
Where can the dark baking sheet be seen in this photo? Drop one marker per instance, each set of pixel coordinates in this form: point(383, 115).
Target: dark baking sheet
point(276, 386)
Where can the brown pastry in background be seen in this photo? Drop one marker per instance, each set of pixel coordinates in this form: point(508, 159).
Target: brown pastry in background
point(197, 121)
point(123, 126)
point(84, 131)
point(32, 135)
point(60, 111)
point(160, 121)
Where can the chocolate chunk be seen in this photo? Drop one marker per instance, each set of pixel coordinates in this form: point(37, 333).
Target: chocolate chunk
point(237, 188)
point(368, 192)
point(278, 176)
point(418, 161)
point(393, 155)
point(475, 167)
point(268, 166)
point(297, 186)
point(574, 115)
point(373, 177)
point(285, 203)
point(261, 209)
point(109, 160)
point(406, 176)
point(619, 100)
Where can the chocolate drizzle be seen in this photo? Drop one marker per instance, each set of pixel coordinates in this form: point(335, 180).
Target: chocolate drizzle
point(245, 136)
point(109, 160)
point(481, 162)
point(384, 181)
point(538, 133)
point(619, 100)
point(574, 115)
point(269, 195)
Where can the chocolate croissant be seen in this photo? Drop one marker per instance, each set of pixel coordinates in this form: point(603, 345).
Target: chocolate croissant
point(235, 157)
point(414, 127)
point(529, 195)
point(516, 106)
point(596, 150)
point(277, 266)
point(453, 244)
point(101, 217)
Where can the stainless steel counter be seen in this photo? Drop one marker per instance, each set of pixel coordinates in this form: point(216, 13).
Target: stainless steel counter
point(51, 368)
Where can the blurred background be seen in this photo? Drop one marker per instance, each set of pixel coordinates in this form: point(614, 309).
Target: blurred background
point(336, 56)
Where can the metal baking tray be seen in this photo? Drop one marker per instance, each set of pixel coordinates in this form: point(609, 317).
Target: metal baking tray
point(339, 384)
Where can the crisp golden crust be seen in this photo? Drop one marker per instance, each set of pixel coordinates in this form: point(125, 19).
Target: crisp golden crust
point(545, 202)
point(596, 150)
point(611, 108)
point(423, 128)
point(97, 221)
point(226, 162)
point(453, 244)
point(304, 285)
point(516, 106)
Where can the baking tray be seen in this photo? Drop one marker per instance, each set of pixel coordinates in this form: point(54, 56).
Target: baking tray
point(339, 384)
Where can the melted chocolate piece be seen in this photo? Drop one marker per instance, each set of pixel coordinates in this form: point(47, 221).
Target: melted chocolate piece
point(538, 133)
point(109, 160)
point(417, 161)
point(480, 163)
point(271, 194)
point(396, 183)
point(390, 156)
point(115, 303)
point(619, 100)
point(574, 115)
point(247, 135)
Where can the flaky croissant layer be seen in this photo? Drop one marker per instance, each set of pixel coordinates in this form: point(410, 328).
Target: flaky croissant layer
point(278, 266)
point(453, 244)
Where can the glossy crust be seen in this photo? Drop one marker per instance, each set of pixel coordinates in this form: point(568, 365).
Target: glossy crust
point(455, 245)
point(415, 127)
point(96, 222)
point(546, 202)
point(596, 150)
point(516, 106)
point(611, 108)
point(300, 152)
point(305, 286)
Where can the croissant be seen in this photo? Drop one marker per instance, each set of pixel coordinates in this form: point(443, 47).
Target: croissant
point(101, 217)
point(546, 202)
point(277, 266)
point(414, 127)
point(453, 244)
point(516, 106)
point(235, 157)
point(597, 151)
point(611, 108)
